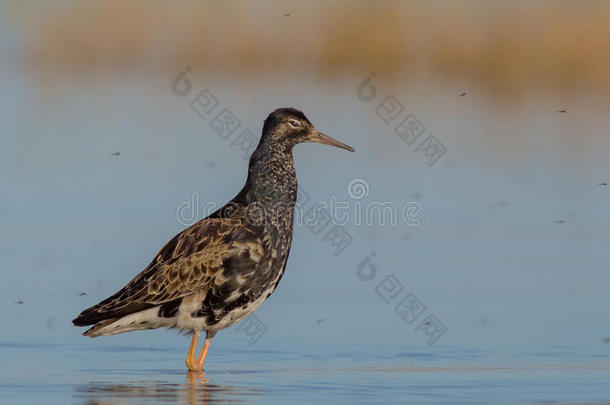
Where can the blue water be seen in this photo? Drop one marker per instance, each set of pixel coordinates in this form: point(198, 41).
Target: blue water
point(508, 262)
point(285, 372)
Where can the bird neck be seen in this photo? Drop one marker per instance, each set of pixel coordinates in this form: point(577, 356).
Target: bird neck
point(272, 179)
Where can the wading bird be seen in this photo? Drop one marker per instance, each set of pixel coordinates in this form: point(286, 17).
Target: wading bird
point(219, 270)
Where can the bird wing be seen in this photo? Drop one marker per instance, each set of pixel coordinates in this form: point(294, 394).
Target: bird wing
point(203, 255)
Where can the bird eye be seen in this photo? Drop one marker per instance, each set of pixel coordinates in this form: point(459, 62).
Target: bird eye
point(294, 123)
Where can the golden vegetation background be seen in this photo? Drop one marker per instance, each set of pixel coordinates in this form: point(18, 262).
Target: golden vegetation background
point(507, 46)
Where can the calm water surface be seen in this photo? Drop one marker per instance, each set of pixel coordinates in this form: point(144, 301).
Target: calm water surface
point(80, 374)
point(511, 253)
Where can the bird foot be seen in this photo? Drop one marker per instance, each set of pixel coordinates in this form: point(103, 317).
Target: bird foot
point(193, 366)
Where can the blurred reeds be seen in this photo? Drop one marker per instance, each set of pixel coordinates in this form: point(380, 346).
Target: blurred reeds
point(503, 45)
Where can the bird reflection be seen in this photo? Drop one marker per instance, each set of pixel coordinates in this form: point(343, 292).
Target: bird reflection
point(193, 378)
point(197, 389)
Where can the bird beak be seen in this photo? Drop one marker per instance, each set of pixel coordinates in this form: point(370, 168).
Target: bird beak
point(319, 137)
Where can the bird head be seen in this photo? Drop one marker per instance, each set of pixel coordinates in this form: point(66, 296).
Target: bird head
point(289, 126)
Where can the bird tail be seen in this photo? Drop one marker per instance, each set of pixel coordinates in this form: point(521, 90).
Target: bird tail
point(140, 320)
point(96, 330)
point(102, 315)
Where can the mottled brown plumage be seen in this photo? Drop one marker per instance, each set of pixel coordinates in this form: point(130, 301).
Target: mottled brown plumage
point(192, 261)
point(222, 268)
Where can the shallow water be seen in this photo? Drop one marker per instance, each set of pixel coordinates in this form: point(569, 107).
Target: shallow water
point(510, 255)
point(80, 374)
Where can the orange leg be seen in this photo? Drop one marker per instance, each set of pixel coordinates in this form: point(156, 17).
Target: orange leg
point(190, 361)
point(204, 352)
